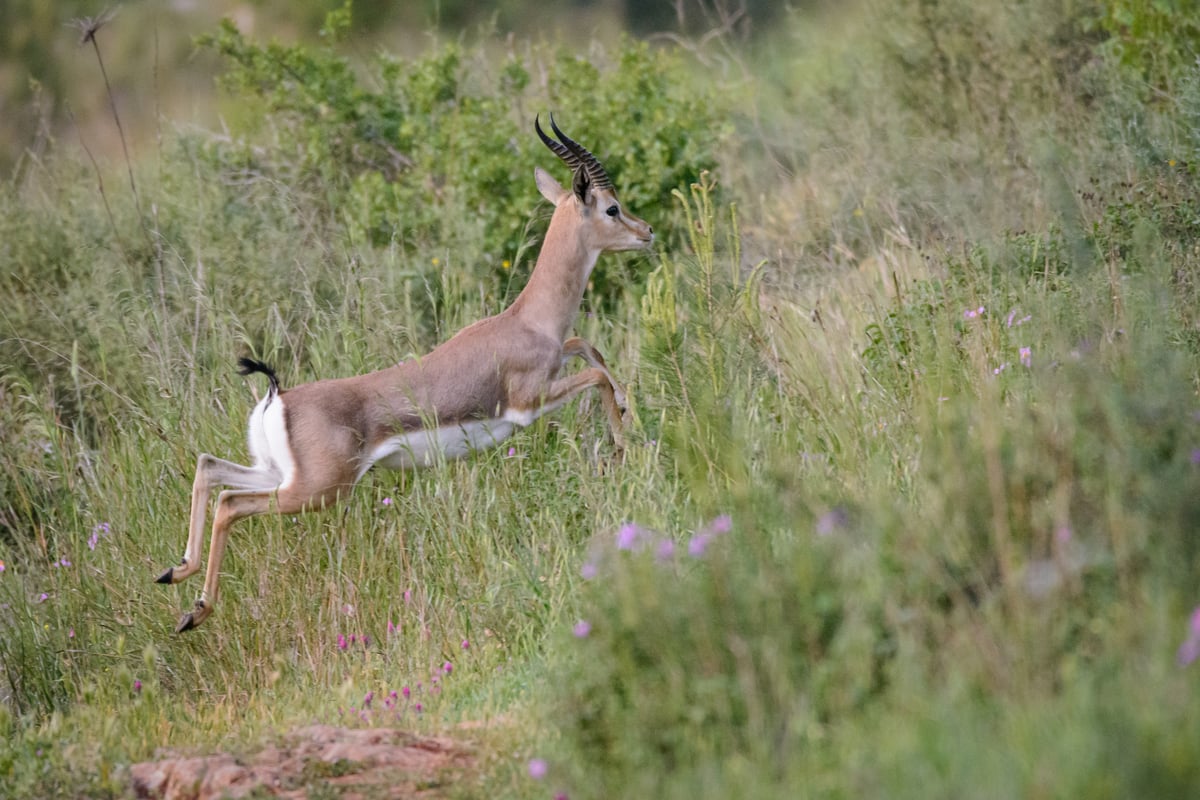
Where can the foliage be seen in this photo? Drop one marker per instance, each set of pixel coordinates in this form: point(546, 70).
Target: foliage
point(906, 505)
point(1154, 38)
point(438, 152)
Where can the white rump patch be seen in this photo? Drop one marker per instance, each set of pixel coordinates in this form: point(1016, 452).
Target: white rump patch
point(269, 441)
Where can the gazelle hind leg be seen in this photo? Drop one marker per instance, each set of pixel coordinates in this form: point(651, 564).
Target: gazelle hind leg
point(236, 504)
point(212, 472)
point(232, 505)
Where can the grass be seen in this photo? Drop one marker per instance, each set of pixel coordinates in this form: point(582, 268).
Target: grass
point(907, 510)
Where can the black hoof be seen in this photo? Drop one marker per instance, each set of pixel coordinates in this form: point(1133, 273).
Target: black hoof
point(192, 619)
point(166, 576)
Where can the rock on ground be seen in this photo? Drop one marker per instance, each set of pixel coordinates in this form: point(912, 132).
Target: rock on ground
point(370, 762)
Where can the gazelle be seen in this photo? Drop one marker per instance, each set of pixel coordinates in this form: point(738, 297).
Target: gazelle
point(312, 443)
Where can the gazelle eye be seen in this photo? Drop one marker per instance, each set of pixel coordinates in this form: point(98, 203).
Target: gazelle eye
point(612, 211)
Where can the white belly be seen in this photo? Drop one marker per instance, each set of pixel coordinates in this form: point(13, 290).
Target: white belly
point(425, 447)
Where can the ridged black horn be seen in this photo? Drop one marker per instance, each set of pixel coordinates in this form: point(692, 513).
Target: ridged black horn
point(558, 149)
point(575, 155)
point(595, 171)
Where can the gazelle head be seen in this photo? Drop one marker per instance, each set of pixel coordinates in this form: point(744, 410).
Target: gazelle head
point(592, 201)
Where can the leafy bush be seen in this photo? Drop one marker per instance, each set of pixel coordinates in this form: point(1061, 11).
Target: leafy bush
point(1154, 39)
point(438, 152)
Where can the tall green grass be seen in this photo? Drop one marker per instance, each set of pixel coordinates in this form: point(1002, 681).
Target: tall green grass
point(907, 507)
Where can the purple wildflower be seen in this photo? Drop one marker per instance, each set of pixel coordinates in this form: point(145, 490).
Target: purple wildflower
point(722, 524)
point(447, 668)
point(408, 595)
point(418, 708)
point(466, 645)
point(387, 501)
point(588, 570)
point(404, 690)
point(665, 551)
point(1027, 356)
point(698, 544)
point(537, 768)
point(43, 597)
point(370, 696)
point(627, 536)
point(1189, 651)
point(137, 687)
point(94, 539)
point(582, 629)
point(512, 451)
point(392, 628)
point(832, 520)
point(341, 642)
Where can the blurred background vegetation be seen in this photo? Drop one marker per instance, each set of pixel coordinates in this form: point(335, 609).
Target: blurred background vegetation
point(909, 507)
point(159, 74)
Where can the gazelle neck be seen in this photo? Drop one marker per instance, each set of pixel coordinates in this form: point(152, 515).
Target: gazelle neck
point(551, 299)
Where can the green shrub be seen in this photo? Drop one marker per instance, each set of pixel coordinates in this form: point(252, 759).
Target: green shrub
point(1154, 39)
point(437, 152)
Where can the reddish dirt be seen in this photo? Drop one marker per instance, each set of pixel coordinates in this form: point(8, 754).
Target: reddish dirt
point(347, 763)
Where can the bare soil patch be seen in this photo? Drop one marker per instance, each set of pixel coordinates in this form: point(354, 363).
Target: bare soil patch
point(321, 760)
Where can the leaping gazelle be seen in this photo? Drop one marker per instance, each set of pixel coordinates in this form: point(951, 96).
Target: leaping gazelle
point(312, 443)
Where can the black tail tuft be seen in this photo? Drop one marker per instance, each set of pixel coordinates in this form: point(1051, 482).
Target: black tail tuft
point(246, 366)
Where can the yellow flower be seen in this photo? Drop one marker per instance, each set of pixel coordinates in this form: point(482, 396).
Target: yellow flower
point(435, 261)
point(505, 264)
point(1171, 162)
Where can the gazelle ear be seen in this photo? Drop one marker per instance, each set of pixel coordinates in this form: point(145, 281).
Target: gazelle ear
point(582, 185)
point(550, 188)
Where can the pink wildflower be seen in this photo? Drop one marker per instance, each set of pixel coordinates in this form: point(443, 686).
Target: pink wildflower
point(537, 768)
point(722, 524)
point(665, 551)
point(1189, 651)
point(582, 629)
point(698, 544)
point(627, 536)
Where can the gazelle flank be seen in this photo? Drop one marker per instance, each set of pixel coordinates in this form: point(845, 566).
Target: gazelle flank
point(312, 443)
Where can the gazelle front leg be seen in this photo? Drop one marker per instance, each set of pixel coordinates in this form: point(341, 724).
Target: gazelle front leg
point(563, 390)
point(582, 348)
point(212, 472)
